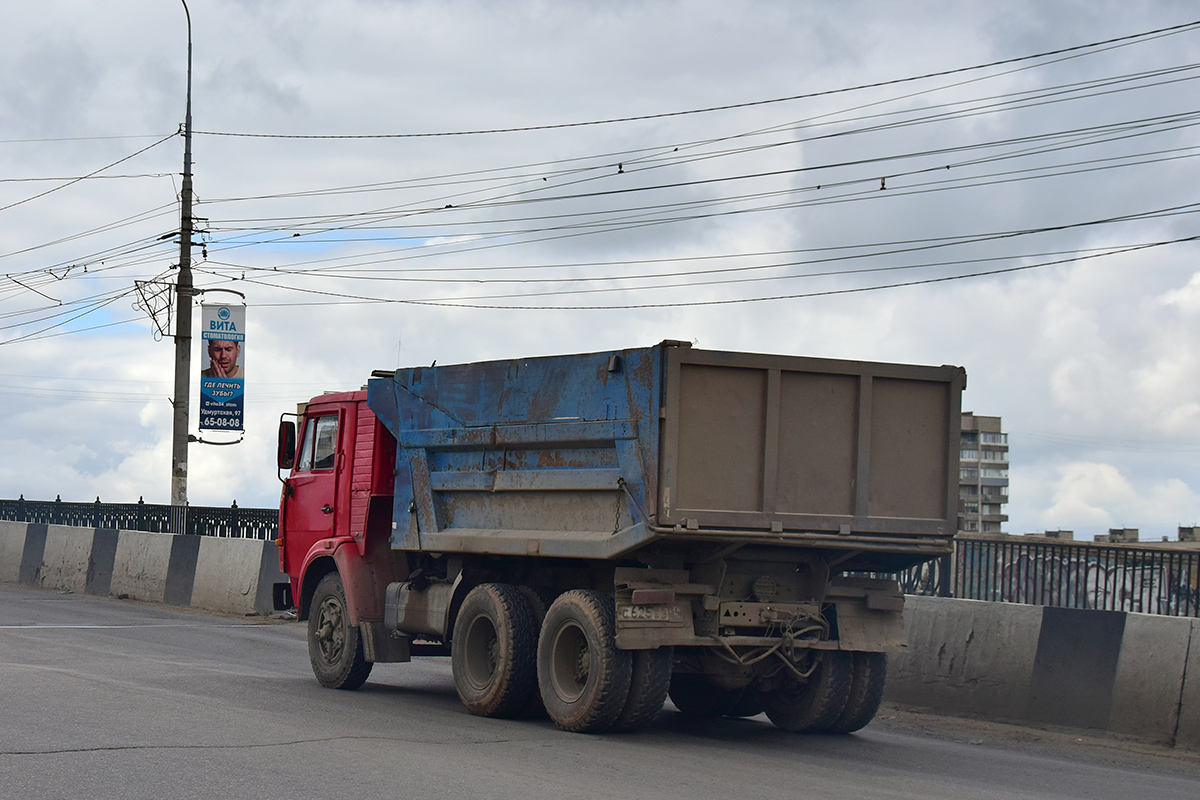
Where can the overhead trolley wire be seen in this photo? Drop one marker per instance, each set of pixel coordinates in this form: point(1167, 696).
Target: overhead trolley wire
point(887, 249)
point(74, 181)
point(1075, 49)
point(469, 302)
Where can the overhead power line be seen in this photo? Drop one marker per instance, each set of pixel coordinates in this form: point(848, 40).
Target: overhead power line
point(1118, 41)
point(470, 303)
point(93, 173)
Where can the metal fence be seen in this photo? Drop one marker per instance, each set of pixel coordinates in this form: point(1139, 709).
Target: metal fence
point(232, 522)
point(1109, 577)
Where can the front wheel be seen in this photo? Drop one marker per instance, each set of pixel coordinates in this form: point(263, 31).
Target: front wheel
point(583, 677)
point(334, 645)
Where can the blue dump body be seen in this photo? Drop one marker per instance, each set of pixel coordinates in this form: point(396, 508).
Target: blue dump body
point(598, 455)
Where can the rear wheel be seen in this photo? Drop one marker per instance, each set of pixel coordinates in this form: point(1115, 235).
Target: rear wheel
point(539, 599)
point(813, 706)
point(866, 693)
point(583, 677)
point(334, 647)
point(649, 681)
point(492, 654)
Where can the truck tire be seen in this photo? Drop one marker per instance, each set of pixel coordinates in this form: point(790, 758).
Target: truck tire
point(813, 706)
point(649, 681)
point(583, 677)
point(334, 646)
point(492, 654)
point(539, 599)
point(866, 692)
point(695, 696)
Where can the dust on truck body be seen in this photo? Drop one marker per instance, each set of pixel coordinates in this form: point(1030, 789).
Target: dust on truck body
point(585, 534)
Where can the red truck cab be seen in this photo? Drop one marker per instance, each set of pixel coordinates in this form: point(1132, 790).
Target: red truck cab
point(335, 508)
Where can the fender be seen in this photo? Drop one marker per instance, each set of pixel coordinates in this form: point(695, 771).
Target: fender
point(364, 577)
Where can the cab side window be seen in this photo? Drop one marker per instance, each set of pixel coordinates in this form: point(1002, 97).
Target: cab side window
point(319, 449)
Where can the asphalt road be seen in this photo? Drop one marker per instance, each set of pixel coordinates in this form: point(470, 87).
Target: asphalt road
point(105, 698)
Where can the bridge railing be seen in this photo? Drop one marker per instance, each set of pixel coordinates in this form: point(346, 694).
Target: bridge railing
point(1109, 577)
point(233, 522)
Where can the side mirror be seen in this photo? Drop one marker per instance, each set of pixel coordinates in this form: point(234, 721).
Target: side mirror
point(286, 453)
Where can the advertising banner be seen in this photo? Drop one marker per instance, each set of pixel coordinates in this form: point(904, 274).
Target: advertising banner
point(222, 377)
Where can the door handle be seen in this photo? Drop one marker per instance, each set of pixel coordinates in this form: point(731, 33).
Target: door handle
point(327, 509)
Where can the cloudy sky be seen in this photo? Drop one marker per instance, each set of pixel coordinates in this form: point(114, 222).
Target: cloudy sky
point(1011, 187)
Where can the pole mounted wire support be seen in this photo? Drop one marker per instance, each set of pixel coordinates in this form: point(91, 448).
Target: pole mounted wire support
point(194, 438)
point(201, 292)
point(156, 298)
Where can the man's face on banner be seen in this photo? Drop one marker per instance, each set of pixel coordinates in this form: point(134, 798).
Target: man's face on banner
point(223, 355)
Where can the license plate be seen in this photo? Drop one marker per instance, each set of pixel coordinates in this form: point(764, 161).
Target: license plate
point(649, 613)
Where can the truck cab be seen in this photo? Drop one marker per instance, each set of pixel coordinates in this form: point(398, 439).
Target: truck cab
point(335, 506)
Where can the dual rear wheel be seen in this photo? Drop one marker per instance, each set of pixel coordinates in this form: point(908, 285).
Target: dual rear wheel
point(841, 695)
point(504, 662)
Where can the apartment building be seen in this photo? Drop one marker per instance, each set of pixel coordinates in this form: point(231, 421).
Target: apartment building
point(982, 475)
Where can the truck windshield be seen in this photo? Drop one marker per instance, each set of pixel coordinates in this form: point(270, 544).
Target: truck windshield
point(320, 444)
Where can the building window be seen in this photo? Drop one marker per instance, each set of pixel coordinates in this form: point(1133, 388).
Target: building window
point(995, 455)
point(970, 525)
point(969, 491)
point(969, 455)
point(970, 507)
point(970, 438)
point(994, 472)
point(991, 508)
point(994, 438)
point(967, 473)
point(991, 527)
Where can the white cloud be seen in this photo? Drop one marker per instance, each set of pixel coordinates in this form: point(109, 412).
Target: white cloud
point(1094, 496)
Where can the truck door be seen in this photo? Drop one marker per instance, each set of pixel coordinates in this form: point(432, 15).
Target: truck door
point(310, 511)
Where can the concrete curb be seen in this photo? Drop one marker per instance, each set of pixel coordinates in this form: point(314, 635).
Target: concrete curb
point(1136, 674)
point(227, 575)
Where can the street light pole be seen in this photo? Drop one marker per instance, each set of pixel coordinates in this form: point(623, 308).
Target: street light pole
point(183, 307)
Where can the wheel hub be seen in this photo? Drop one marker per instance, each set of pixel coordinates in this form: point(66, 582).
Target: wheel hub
point(330, 636)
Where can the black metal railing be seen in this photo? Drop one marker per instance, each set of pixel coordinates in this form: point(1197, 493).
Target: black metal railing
point(1108, 577)
point(233, 522)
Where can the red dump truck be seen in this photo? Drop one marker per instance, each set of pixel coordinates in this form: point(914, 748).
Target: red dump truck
point(585, 534)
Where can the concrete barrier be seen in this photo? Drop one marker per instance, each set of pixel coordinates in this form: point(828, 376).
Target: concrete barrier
point(143, 561)
point(66, 558)
point(976, 656)
point(1151, 670)
point(1188, 734)
point(12, 550)
point(236, 575)
point(1127, 673)
point(227, 575)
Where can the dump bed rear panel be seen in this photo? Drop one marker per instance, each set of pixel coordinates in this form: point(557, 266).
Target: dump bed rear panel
point(800, 444)
point(598, 455)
